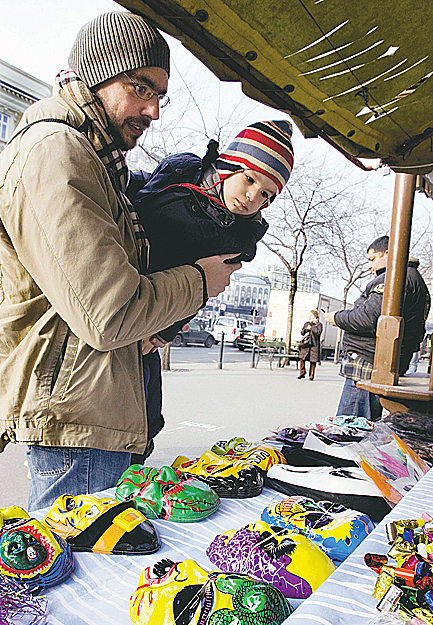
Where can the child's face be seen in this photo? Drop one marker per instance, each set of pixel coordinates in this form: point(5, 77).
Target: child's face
point(246, 191)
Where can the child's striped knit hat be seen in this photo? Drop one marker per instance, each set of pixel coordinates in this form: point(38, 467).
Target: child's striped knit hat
point(265, 147)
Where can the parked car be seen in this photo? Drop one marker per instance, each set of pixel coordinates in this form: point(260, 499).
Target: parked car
point(195, 335)
point(250, 335)
point(231, 326)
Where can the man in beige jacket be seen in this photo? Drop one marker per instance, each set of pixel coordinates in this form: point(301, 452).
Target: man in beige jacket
point(75, 311)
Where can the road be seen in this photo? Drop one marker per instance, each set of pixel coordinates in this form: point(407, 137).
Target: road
point(203, 403)
point(184, 355)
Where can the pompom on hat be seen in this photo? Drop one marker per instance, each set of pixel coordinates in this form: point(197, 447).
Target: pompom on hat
point(265, 147)
point(117, 42)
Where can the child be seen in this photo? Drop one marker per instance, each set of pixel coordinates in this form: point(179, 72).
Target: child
point(192, 208)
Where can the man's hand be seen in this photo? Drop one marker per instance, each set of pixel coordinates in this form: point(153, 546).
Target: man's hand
point(147, 346)
point(157, 341)
point(151, 344)
point(329, 318)
point(218, 272)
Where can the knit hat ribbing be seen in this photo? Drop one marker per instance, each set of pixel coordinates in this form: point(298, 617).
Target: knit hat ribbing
point(265, 147)
point(117, 42)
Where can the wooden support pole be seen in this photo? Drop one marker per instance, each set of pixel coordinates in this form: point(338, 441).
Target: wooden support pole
point(390, 324)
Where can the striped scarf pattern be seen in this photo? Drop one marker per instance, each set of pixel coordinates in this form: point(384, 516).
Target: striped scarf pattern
point(103, 143)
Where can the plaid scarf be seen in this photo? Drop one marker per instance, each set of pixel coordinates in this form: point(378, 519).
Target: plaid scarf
point(103, 143)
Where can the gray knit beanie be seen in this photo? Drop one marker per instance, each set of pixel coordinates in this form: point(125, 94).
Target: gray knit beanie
point(117, 42)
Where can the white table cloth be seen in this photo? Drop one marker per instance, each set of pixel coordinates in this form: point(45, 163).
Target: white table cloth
point(99, 589)
point(345, 598)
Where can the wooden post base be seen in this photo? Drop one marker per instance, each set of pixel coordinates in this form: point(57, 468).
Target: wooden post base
point(387, 356)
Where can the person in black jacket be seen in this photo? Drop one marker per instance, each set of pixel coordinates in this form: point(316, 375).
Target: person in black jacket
point(191, 208)
point(359, 325)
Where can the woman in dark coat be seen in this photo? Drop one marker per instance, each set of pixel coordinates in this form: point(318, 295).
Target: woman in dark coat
point(309, 347)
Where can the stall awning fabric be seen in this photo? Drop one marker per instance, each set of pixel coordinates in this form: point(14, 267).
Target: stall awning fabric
point(359, 73)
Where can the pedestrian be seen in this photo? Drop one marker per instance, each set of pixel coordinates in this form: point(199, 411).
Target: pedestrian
point(192, 208)
point(75, 309)
point(309, 346)
point(359, 325)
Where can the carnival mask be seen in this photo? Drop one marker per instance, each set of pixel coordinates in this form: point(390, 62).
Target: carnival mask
point(282, 557)
point(185, 594)
point(226, 476)
point(30, 553)
point(167, 493)
point(262, 456)
point(233, 447)
point(90, 523)
point(336, 529)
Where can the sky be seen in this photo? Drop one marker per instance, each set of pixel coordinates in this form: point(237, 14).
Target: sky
point(37, 36)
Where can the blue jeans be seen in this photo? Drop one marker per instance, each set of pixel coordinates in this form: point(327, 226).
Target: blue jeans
point(59, 471)
point(358, 402)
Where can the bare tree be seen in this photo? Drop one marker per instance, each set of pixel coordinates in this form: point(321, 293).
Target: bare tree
point(191, 121)
point(343, 247)
point(305, 209)
point(345, 240)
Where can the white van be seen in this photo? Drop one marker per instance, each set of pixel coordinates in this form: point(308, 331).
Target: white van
point(231, 326)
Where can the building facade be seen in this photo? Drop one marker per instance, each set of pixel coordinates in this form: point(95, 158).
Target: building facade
point(248, 295)
point(18, 91)
point(280, 280)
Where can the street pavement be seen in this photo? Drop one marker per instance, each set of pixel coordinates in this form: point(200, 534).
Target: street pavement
point(203, 404)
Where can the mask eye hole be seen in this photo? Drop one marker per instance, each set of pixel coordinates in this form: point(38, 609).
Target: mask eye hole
point(92, 512)
point(69, 504)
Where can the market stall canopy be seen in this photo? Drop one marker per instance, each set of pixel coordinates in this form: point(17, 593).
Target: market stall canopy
point(358, 74)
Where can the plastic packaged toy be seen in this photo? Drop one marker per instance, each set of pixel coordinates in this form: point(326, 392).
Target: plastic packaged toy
point(282, 557)
point(102, 525)
point(336, 529)
point(226, 476)
point(404, 586)
point(389, 462)
point(184, 593)
point(167, 493)
point(30, 553)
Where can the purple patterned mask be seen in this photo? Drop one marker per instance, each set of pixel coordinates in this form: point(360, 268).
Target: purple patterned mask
point(281, 557)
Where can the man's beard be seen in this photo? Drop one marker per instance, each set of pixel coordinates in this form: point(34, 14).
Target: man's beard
point(124, 141)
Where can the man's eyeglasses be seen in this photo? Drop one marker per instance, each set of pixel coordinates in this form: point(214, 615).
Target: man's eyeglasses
point(144, 92)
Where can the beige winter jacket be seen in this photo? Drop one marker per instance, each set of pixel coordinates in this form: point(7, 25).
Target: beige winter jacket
point(73, 306)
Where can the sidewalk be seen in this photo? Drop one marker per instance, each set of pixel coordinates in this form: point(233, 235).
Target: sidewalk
point(203, 404)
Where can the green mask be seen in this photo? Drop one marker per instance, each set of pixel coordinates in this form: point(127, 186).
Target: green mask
point(167, 493)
